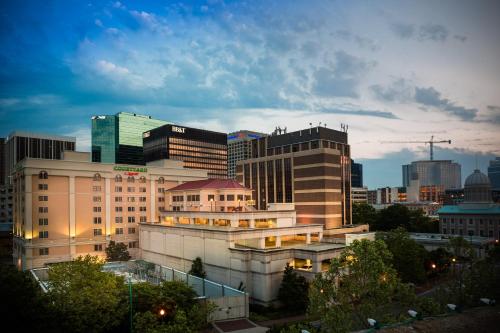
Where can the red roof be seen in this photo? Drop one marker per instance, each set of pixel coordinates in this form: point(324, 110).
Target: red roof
point(218, 184)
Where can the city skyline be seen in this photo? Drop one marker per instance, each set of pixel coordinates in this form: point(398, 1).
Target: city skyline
point(393, 71)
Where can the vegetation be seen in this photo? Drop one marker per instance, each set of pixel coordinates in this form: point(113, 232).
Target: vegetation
point(360, 284)
point(363, 213)
point(117, 252)
point(197, 268)
point(293, 291)
point(408, 257)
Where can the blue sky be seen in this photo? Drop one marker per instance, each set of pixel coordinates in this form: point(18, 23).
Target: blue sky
point(392, 70)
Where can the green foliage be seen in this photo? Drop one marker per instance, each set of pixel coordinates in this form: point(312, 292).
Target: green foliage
point(396, 216)
point(363, 213)
point(117, 252)
point(90, 300)
point(439, 257)
point(293, 291)
point(197, 268)
point(152, 323)
point(360, 284)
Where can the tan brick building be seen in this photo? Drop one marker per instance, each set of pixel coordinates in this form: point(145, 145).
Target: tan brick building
point(71, 207)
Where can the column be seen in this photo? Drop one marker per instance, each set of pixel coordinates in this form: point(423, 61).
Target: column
point(252, 223)
point(72, 216)
point(316, 266)
point(191, 220)
point(320, 236)
point(278, 241)
point(210, 221)
point(152, 201)
point(308, 238)
point(28, 206)
point(262, 243)
point(107, 189)
point(234, 221)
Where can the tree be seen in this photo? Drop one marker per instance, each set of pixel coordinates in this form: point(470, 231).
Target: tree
point(117, 252)
point(293, 290)
point(363, 213)
point(89, 299)
point(360, 284)
point(421, 223)
point(197, 268)
point(391, 218)
point(408, 257)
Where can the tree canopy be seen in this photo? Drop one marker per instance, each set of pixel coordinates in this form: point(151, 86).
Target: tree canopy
point(197, 268)
point(293, 290)
point(117, 252)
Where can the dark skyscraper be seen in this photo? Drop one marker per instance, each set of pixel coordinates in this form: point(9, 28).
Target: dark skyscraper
point(494, 173)
point(2, 161)
point(356, 174)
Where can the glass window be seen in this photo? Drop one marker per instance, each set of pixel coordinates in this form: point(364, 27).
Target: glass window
point(43, 175)
point(118, 179)
point(97, 177)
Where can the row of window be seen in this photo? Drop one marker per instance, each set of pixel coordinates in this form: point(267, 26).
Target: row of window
point(482, 233)
point(131, 199)
point(130, 209)
point(471, 221)
point(118, 231)
point(97, 248)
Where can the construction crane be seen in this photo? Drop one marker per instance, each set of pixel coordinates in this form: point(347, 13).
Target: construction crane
point(431, 142)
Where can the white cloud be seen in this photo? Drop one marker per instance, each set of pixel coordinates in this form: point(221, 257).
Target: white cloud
point(109, 68)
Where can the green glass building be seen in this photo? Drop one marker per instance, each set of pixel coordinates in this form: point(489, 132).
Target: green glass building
point(118, 138)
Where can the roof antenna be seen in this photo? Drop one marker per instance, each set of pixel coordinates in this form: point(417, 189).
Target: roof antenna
point(477, 167)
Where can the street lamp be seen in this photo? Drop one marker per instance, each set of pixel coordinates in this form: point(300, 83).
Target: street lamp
point(239, 201)
point(162, 312)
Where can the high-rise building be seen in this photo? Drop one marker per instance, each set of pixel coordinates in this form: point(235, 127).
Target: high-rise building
point(311, 168)
point(356, 174)
point(118, 138)
point(2, 161)
point(197, 148)
point(238, 148)
point(71, 207)
point(494, 173)
point(359, 194)
point(443, 173)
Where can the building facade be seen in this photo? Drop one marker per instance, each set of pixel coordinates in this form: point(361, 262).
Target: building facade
point(238, 148)
point(197, 148)
point(477, 215)
point(494, 173)
point(356, 174)
point(443, 173)
point(310, 168)
point(386, 195)
point(71, 207)
point(359, 194)
point(118, 138)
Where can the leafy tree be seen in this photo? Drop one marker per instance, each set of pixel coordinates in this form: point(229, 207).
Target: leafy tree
point(408, 257)
point(293, 290)
point(392, 217)
point(438, 261)
point(360, 284)
point(197, 268)
point(117, 252)
point(421, 223)
point(90, 300)
point(363, 213)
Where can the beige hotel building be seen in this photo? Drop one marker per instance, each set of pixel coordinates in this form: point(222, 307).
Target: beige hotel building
point(71, 207)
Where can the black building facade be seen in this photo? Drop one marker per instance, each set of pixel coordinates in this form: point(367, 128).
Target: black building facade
point(356, 174)
point(197, 148)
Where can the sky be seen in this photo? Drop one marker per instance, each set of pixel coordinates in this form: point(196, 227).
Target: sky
point(394, 71)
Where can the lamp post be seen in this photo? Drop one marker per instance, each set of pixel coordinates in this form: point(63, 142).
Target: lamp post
point(130, 300)
point(239, 208)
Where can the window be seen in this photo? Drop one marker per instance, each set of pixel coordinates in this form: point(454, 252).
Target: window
point(118, 179)
point(161, 190)
point(96, 188)
point(97, 209)
point(221, 197)
point(43, 221)
point(130, 189)
point(97, 177)
point(131, 219)
point(97, 247)
point(143, 219)
point(119, 231)
point(444, 231)
point(97, 220)
point(161, 199)
point(240, 197)
point(142, 189)
point(131, 209)
point(43, 251)
point(118, 209)
point(178, 198)
point(43, 198)
point(490, 233)
point(130, 179)
point(142, 180)
point(471, 233)
point(131, 199)
point(118, 219)
point(43, 234)
point(142, 209)
point(43, 187)
point(230, 197)
point(211, 197)
point(118, 188)
point(131, 230)
point(43, 209)
point(142, 199)
point(161, 180)
point(43, 175)
point(96, 199)
point(118, 199)
point(133, 245)
point(97, 232)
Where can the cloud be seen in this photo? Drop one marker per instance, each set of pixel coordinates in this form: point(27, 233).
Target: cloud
point(425, 32)
point(369, 113)
point(399, 91)
point(431, 97)
point(460, 38)
point(494, 115)
point(110, 69)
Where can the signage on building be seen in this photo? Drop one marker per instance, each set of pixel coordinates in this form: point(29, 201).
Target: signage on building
point(131, 169)
point(178, 129)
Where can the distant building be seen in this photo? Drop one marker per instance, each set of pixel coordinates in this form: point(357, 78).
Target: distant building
point(371, 197)
point(453, 197)
point(432, 242)
point(494, 173)
point(356, 174)
point(197, 148)
point(359, 194)
point(387, 195)
point(444, 173)
point(2, 162)
point(238, 148)
point(477, 215)
point(118, 138)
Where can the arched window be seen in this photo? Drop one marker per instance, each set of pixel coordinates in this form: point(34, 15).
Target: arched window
point(130, 179)
point(142, 179)
point(118, 179)
point(43, 175)
point(161, 180)
point(97, 177)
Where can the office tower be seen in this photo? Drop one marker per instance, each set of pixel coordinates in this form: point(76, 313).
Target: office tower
point(494, 173)
point(2, 161)
point(310, 168)
point(445, 173)
point(359, 194)
point(238, 148)
point(71, 207)
point(118, 138)
point(197, 148)
point(356, 174)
